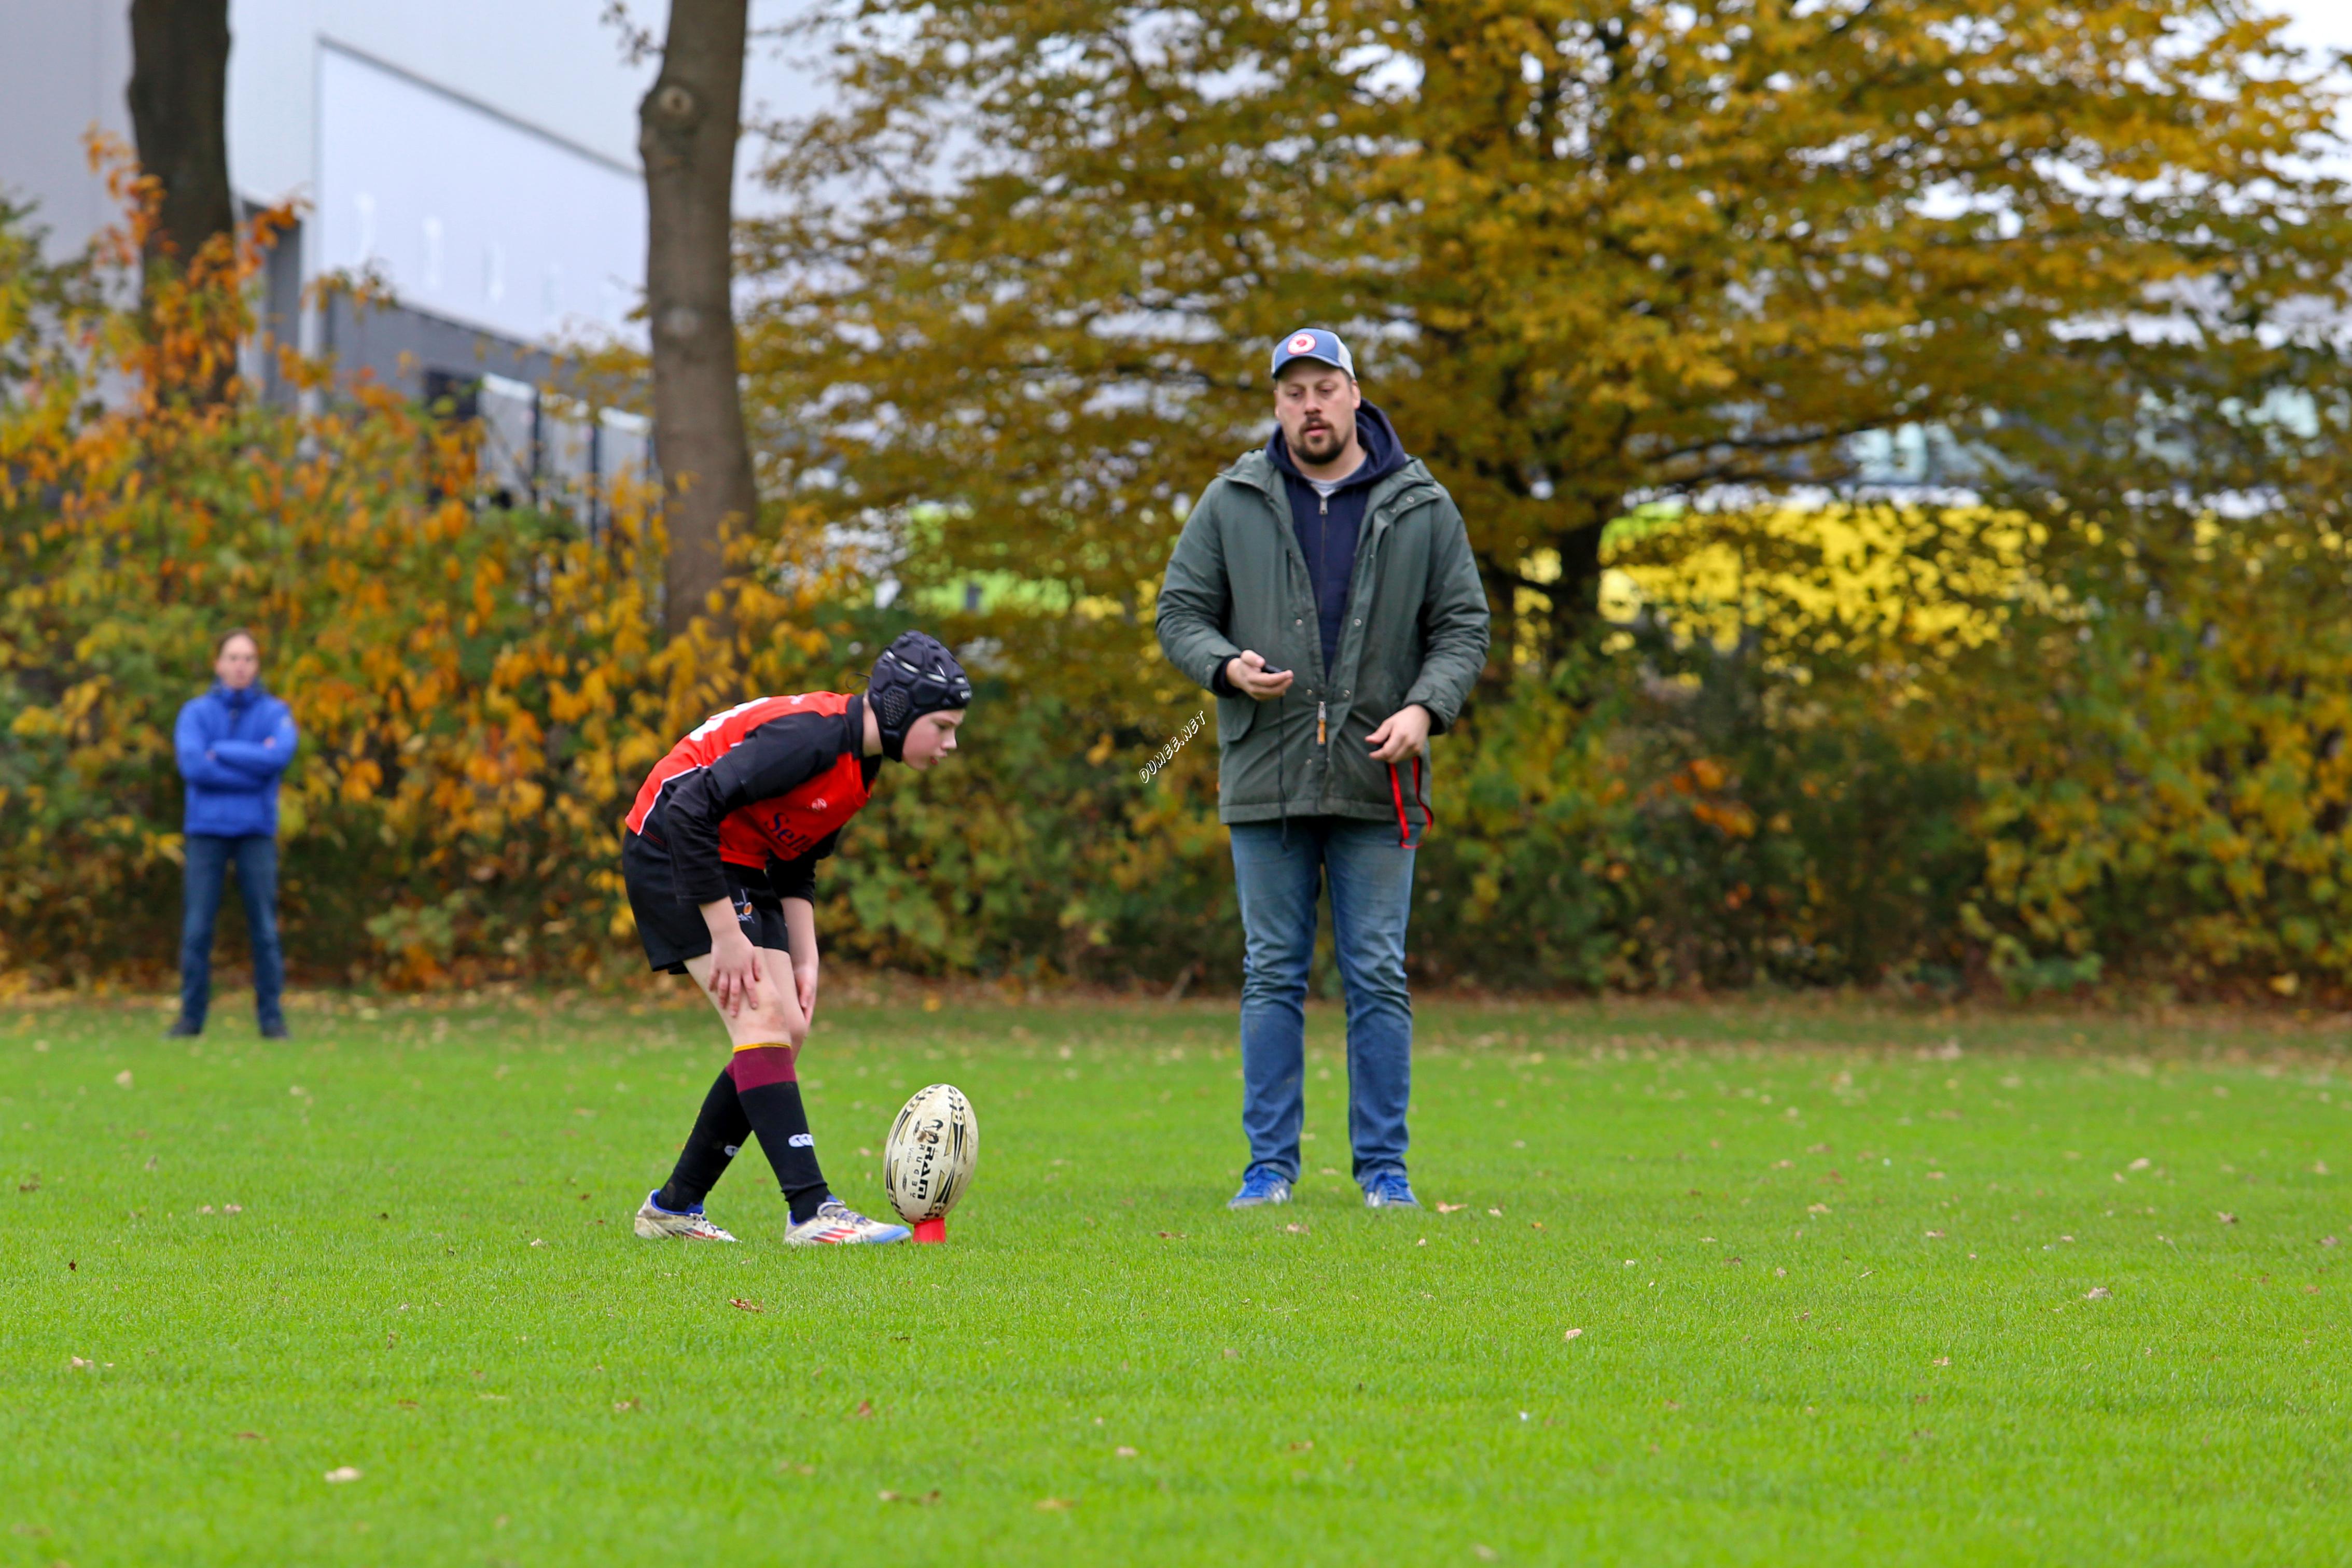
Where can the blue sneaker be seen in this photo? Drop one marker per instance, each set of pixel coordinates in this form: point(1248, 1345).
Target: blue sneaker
point(1260, 1186)
point(1389, 1189)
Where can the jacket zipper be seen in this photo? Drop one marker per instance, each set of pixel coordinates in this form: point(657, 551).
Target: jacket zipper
point(1322, 510)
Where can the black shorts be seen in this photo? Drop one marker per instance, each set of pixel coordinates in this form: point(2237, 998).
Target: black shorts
point(673, 930)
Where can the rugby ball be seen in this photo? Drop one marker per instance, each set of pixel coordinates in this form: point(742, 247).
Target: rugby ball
point(927, 1162)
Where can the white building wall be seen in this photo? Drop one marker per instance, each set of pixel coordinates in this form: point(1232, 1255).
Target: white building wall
point(470, 214)
point(64, 67)
point(507, 130)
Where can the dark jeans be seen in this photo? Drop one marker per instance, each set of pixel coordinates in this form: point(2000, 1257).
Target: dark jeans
point(209, 856)
point(1278, 872)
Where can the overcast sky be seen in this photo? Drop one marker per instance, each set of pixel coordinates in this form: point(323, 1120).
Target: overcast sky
point(2319, 24)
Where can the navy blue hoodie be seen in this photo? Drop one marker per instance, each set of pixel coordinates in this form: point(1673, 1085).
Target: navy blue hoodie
point(1328, 529)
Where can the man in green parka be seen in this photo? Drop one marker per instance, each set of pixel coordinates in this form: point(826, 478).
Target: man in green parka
point(1324, 589)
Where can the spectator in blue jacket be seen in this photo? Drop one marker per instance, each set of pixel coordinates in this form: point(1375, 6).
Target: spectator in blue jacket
point(234, 743)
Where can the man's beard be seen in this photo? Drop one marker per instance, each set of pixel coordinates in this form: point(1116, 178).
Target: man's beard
point(1320, 445)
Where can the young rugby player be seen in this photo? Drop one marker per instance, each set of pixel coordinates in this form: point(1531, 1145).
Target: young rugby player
point(721, 861)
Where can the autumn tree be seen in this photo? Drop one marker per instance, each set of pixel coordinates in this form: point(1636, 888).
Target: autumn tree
point(179, 115)
point(688, 124)
point(1592, 252)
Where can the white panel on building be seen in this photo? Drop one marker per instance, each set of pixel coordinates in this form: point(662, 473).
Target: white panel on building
point(469, 215)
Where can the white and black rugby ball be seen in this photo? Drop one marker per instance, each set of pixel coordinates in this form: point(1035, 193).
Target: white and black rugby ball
point(934, 1146)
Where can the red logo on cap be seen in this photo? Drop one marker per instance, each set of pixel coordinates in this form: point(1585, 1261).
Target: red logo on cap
point(1301, 343)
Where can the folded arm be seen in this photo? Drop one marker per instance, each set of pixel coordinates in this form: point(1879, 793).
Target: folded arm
point(264, 759)
point(200, 768)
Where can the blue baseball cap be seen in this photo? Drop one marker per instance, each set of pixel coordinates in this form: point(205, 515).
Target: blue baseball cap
point(1314, 343)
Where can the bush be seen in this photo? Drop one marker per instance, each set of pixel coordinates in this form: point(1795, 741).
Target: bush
point(478, 689)
point(1826, 747)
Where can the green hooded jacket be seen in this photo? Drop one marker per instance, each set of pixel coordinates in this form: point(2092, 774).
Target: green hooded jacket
point(1416, 631)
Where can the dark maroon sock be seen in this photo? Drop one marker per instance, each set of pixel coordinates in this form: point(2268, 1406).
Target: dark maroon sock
point(768, 1086)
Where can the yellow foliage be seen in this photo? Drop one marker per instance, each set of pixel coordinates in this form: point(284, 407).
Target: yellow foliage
point(478, 691)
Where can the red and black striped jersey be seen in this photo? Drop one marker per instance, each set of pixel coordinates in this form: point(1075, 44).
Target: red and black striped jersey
point(765, 784)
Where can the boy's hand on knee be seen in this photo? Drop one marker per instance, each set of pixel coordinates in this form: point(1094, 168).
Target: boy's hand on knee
point(734, 965)
point(805, 983)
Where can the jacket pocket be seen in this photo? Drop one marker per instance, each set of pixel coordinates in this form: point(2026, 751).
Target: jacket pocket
point(1235, 717)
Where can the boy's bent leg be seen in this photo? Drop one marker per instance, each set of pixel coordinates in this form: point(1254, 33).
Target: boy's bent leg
point(719, 1133)
point(1372, 902)
point(257, 885)
point(206, 861)
point(1277, 875)
point(763, 1069)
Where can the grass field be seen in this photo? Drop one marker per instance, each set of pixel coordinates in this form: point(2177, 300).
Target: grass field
point(1854, 1285)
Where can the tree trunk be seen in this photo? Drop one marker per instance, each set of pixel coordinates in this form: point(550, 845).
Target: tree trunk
point(688, 127)
point(179, 115)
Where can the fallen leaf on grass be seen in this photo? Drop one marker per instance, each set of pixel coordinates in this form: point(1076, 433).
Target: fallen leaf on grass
point(1934, 1236)
point(2328, 1241)
point(1054, 1504)
point(747, 1306)
point(865, 1407)
point(78, 1364)
point(1294, 1230)
point(1302, 1445)
point(1573, 1333)
point(1452, 1208)
point(1817, 1209)
point(1124, 1452)
point(124, 1078)
point(232, 1208)
point(2226, 1219)
point(340, 1474)
point(1485, 1554)
point(923, 1500)
point(1233, 1356)
point(1535, 1225)
point(1673, 1405)
point(2319, 1167)
point(1943, 1361)
point(2311, 1289)
point(1174, 1236)
point(1495, 1214)
point(2139, 1164)
point(619, 1404)
point(250, 1438)
point(2098, 1293)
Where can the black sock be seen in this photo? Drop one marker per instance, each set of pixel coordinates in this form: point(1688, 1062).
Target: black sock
point(719, 1131)
point(783, 1125)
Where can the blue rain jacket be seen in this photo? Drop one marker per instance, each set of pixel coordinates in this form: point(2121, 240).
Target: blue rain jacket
point(233, 747)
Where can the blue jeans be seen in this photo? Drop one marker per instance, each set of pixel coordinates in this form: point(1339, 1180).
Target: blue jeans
point(1278, 872)
point(209, 856)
